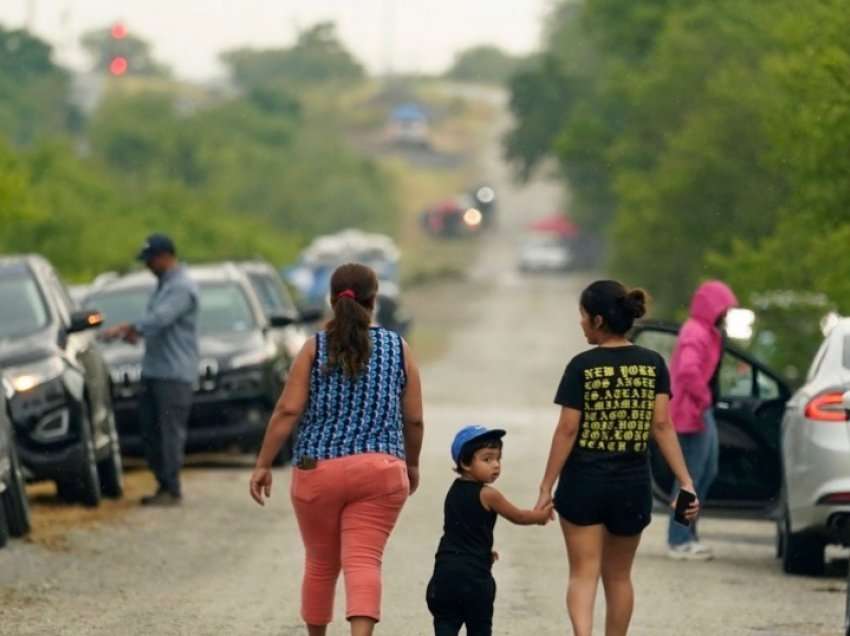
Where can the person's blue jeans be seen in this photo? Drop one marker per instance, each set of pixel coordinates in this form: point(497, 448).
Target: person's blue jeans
point(701, 451)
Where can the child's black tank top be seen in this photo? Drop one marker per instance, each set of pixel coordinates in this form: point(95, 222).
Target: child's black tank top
point(467, 529)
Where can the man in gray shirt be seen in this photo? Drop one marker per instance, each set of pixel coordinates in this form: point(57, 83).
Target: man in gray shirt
point(169, 367)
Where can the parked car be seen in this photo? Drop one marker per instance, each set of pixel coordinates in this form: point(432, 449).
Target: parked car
point(750, 403)
point(279, 306)
point(244, 362)
point(57, 383)
point(816, 459)
point(14, 505)
point(453, 217)
point(544, 254)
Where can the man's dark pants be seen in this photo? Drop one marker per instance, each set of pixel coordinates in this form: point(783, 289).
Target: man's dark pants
point(164, 415)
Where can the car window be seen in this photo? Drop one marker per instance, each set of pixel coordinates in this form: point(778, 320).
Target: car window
point(125, 305)
point(660, 341)
point(272, 294)
point(23, 309)
point(735, 377)
point(768, 387)
point(63, 302)
point(224, 308)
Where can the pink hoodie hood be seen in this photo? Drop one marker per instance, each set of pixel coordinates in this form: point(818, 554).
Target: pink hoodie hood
point(696, 355)
point(711, 300)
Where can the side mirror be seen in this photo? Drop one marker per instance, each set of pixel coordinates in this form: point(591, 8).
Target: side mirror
point(277, 321)
point(311, 315)
point(845, 401)
point(84, 320)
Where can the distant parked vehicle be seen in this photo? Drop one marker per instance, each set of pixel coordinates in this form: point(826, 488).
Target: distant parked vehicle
point(454, 217)
point(57, 384)
point(816, 459)
point(14, 505)
point(408, 126)
point(244, 361)
point(544, 254)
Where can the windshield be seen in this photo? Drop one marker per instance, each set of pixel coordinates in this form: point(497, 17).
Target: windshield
point(22, 307)
point(224, 308)
point(125, 305)
point(271, 294)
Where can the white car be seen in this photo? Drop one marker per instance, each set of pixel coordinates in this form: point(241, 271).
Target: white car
point(544, 255)
point(816, 459)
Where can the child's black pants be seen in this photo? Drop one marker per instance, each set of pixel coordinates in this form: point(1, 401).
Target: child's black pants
point(460, 596)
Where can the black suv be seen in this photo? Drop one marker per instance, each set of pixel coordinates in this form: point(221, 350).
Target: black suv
point(14, 505)
point(244, 360)
point(57, 384)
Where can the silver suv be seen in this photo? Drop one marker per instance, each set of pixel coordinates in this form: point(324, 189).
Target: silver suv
point(816, 459)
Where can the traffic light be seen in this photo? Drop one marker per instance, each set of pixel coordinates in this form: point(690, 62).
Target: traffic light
point(118, 64)
point(119, 31)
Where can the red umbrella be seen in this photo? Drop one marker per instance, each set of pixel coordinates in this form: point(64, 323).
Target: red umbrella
point(556, 224)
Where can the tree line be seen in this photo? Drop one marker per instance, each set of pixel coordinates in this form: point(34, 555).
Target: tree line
point(703, 139)
point(252, 169)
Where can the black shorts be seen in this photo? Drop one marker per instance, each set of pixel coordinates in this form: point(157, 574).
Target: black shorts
point(624, 507)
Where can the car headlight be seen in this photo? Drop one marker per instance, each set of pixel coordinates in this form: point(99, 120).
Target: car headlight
point(26, 377)
point(251, 358)
point(8, 389)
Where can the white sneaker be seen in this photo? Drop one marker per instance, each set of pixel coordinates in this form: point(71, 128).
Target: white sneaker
point(692, 551)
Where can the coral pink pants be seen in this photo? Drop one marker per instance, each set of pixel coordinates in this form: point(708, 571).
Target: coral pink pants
point(346, 509)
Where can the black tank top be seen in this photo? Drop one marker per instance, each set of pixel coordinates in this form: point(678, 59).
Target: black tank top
point(467, 530)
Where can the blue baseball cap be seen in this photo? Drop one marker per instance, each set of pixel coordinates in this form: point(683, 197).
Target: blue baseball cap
point(472, 432)
point(154, 245)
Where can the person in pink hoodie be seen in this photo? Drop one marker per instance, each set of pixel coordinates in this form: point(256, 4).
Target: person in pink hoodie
point(692, 367)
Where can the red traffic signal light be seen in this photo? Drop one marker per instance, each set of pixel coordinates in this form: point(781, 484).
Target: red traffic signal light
point(118, 65)
point(119, 31)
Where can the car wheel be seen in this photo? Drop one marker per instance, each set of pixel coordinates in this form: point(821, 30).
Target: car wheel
point(111, 469)
point(4, 528)
point(16, 504)
point(780, 539)
point(802, 553)
point(84, 484)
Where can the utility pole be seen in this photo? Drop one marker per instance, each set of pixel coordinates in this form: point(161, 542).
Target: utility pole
point(389, 36)
point(30, 13)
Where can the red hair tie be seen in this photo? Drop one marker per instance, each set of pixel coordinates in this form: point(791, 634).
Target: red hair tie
point(347, 293)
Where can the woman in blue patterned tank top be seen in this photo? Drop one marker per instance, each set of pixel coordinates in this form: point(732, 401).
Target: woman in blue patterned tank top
point(355, 395)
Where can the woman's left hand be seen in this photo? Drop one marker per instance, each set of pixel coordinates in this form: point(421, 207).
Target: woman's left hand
point(544, 500)
point(261, 485)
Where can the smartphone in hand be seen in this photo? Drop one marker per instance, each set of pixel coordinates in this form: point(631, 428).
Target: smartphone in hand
point(683, 502)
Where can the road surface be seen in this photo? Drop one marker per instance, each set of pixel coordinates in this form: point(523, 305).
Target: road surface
point(220, 565)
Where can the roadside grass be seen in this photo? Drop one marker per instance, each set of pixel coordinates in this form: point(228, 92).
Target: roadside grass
point(53, 518)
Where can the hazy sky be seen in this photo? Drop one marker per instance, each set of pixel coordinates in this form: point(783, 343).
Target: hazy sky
point(422, 35)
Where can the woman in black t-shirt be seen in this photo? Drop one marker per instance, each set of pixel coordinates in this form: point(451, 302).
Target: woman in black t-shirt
point(614, 398)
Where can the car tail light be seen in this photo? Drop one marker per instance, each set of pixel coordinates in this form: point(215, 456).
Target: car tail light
point(835, 498)
point(826, 407)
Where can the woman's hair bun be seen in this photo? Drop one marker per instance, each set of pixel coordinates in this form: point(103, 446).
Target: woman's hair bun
point(636, 301)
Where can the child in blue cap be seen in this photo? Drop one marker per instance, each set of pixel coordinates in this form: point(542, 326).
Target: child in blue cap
point(462, 589)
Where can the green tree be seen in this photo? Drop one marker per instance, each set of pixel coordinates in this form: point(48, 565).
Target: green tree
point(318, 56)
point(33, 90)
point(486, 63)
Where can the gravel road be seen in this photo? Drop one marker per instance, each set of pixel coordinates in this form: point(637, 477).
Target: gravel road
point(222, 566)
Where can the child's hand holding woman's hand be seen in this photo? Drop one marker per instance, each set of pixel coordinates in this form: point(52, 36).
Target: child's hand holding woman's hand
point(544, 514)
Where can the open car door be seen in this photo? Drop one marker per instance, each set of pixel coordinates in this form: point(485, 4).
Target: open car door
point(750, 404)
